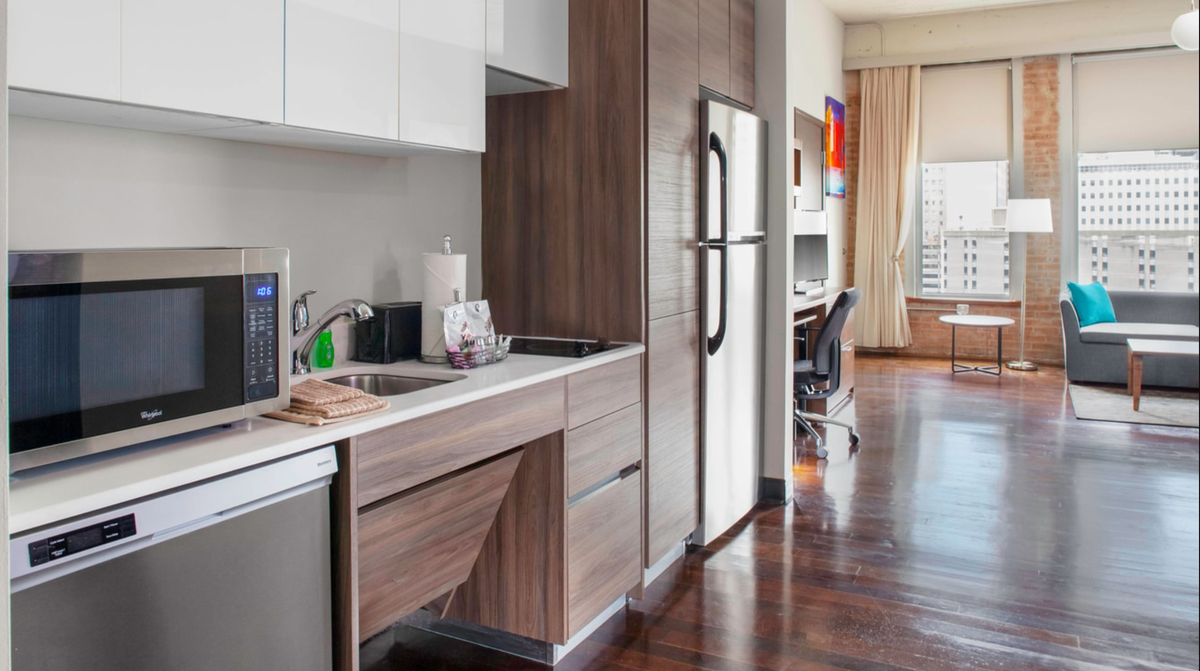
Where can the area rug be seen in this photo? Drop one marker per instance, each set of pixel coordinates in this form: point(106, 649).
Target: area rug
point(1109, 403)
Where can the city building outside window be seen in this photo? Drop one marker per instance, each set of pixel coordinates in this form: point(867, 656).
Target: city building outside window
point(957, 214)
point(1140, 253)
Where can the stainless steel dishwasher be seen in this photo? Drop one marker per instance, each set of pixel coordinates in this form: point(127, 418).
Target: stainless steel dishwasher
point(229, 574)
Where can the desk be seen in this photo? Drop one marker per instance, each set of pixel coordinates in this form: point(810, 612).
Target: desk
point(976, 321)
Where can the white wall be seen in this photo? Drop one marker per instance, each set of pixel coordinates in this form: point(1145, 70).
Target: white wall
point(355, 225)
point(1010, 32)
point(798, 52)
point(4, 637)
point(815, 70)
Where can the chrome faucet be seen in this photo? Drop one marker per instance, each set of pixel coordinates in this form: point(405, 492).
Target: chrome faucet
point(353, 308)
point(300, 312)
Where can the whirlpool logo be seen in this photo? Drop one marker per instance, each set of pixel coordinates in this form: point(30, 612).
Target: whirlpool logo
point(151, 414)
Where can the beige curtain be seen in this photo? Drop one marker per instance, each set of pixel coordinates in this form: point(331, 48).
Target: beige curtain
point(887, 174)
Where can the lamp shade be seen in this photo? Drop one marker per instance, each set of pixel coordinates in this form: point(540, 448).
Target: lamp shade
point(1029, 216)
point(1186, 31)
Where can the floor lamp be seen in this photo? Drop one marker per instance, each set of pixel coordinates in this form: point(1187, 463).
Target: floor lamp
point(1026, 216)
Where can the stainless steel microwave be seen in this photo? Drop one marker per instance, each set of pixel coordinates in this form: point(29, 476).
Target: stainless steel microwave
point(110, 348)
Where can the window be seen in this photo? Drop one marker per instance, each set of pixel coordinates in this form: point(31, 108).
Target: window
point(1142, 253)
point(1146, 249)
point(965, 121)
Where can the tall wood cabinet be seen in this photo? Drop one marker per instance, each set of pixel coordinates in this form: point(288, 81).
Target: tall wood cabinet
point(591, 211)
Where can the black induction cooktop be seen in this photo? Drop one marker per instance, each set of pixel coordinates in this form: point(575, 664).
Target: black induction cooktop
point(559, 346)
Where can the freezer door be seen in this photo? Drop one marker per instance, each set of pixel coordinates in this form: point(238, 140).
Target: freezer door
point(744, 137)
point(732, 388)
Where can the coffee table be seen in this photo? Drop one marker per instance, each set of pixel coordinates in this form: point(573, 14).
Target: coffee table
point(1140, 348)
point(977, 321)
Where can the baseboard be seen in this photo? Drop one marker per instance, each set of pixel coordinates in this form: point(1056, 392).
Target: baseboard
point(659, 567)
point(774, 490)
point(502, 641)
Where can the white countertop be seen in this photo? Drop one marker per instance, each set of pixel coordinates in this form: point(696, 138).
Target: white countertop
point(58, 492)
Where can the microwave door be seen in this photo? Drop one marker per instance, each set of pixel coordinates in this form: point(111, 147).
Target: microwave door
point(92, 359)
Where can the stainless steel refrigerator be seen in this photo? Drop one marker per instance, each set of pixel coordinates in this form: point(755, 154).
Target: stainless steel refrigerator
point(732, 284)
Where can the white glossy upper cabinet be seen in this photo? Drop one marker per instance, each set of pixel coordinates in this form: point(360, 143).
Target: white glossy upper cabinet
point(222, 57)
point(442, 62)
point(343, 66)
point(528, 39)
point(66, 46)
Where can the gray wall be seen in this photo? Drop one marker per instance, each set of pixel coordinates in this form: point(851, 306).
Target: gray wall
point(356, 225)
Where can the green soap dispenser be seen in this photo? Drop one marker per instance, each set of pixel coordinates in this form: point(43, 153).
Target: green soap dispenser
point(324, 350)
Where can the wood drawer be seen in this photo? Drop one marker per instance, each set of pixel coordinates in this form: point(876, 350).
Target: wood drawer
point(603, 448)
point(423, 544)
point(848, 329)
point(604, 551)
point(399, 457)
point(604, 390)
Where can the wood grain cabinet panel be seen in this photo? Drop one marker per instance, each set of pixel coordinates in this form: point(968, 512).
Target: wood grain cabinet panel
point(672, 468)
point(672, 157)
point(714, 45)
point(394, 459)
point(423, 544)
point(603, 552)
point(741, 51)
point(603, 390)
point(563, 184)
point(603, 448)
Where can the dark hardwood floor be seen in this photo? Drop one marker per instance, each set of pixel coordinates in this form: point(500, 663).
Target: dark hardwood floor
point(979, 526)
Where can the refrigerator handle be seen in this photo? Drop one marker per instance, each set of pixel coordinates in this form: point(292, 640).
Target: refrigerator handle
point(715, 145)
point(715, 340)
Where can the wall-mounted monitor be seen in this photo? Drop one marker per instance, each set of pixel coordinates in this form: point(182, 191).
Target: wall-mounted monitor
point(810, 260)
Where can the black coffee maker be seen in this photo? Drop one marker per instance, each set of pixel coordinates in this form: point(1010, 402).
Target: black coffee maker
point(393, 334)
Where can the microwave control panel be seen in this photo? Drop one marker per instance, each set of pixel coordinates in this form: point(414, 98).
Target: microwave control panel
point(262, 339)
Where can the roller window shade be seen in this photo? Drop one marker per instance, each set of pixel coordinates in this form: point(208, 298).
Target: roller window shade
point(965, 113)
point(1138, 103)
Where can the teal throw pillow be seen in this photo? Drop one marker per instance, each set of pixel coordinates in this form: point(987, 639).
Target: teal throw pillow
point(1092, 303)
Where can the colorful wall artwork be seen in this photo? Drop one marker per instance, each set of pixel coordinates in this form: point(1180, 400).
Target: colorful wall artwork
point(835, 148)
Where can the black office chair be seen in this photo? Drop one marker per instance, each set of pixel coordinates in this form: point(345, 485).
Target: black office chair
point(825, 366)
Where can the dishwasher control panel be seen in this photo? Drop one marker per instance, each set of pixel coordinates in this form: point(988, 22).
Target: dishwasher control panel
point(48, 549)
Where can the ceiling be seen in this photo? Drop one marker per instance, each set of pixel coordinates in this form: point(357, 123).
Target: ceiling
point(862, 11)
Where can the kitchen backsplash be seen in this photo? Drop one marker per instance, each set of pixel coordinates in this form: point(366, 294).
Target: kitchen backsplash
point(355, 225)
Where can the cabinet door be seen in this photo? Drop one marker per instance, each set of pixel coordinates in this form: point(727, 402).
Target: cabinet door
point(672, 158)
point(529, 38)
point(66, 46)
point(442, 70)
point(343, 66)
point(602, 549)
point(222, 57)
point(672, 468)
point(421, 545)
point(714, 45)
point(741, 51)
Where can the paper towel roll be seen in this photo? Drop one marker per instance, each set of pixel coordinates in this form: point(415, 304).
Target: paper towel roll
point(444, 273)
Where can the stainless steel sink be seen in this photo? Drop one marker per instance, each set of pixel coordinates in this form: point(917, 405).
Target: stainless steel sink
point(386, 385)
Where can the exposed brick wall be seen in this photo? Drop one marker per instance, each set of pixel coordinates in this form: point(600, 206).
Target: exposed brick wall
point(1043, 331)
point(853, 114)
point(1043, 327)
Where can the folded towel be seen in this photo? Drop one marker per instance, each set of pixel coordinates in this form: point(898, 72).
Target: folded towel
point(317, 403)
point(291, 415)
point(318, 393)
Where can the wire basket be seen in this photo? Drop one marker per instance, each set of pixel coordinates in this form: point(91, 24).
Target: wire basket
point(480, 352)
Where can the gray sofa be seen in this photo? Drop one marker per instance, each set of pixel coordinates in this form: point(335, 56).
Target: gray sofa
point(1097, 353)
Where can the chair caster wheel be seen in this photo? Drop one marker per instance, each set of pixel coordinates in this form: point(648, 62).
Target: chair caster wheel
point(854, 438)
point(822, 453)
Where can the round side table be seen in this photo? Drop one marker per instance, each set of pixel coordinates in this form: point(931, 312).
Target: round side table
point(976, 321)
